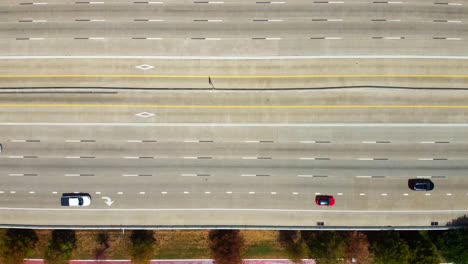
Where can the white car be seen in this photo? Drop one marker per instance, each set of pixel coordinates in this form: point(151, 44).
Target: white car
point(78, 199)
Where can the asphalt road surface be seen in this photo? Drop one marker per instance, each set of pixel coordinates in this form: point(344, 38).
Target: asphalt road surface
point(233, 44)
point(234, 158)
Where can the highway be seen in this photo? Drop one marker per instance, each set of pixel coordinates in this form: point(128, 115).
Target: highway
point(233, 44)
point(217, 158)
point(203, 112)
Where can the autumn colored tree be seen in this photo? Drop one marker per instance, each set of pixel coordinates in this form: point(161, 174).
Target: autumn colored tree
point(17, 245)
point(143, 246)
point(358, 249)
point(102, 239)
point(226, 246)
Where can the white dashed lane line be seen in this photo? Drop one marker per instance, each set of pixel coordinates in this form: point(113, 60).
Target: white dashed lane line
point(273, 2)
point(149, 2)
point(34, 3)
point(148, 20)
point(32, 21)
point(385, 20)
point(90, 20)
point(447, 21)
point(22, 157)
point(90, 3)
point(448, 3)
point(22, 174)
point(327, 20)
point(207, 20)
point(267, 20)
point(208, 2)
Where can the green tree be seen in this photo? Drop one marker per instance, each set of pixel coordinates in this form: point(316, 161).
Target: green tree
point(327, 247)
point(452, 244)
point(226, 246)
point(422, 249)
point(17, 245)
point(389, 248)
point(61, 246)
point(143, 246)
point(293, 243)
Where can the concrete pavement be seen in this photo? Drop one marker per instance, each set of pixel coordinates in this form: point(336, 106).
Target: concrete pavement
point(158, 170)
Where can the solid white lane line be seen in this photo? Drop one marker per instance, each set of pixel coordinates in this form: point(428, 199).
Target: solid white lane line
point(360, 125)
point(3, 57)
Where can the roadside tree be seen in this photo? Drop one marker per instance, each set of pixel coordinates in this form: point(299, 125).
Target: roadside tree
point(61, 246)
point(16, 245)
point(226, 246)
point(143, 246)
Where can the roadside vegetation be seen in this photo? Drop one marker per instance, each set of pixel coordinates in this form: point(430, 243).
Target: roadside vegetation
point(231, 246)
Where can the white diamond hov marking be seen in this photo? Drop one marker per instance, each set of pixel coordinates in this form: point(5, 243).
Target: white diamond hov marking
point(144, 67)
point(144, 114)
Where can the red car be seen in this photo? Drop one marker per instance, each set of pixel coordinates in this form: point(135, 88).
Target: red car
point(324, 200)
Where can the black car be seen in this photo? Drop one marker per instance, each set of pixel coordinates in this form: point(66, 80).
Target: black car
point(420, 184)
